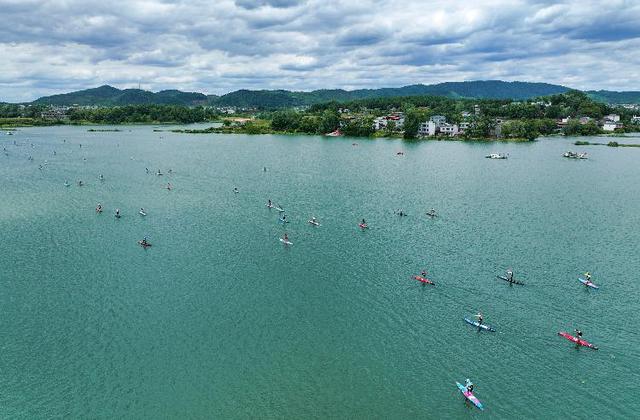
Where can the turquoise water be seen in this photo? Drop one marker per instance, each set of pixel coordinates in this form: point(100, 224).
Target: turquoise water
point(220, 320)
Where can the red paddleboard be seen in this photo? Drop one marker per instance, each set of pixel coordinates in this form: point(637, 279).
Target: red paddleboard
point(577, 340)
point(423, 280)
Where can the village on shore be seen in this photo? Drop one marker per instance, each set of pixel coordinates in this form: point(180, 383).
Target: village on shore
point(571, 113)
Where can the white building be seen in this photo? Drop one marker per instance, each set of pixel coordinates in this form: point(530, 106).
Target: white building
point(383, 122)
point(379, 123)
point(427, 128)
point(449, 129)
point(609, 126)
point(398, 120)
point(635, 120)
point(612, 117)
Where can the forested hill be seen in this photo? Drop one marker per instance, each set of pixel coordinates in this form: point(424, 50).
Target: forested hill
point(613, 97)
point(110, 96)
point(271, 99)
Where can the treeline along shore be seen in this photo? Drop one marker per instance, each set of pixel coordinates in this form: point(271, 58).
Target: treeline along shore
point(571, 113)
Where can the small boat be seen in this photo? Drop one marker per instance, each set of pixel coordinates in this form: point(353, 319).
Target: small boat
point(469, 396)
point(574, 155)
point(577, 340)
point(423, 280)
point(479, 325)
point(588, 283)
point(496, 156)
point(512, 281)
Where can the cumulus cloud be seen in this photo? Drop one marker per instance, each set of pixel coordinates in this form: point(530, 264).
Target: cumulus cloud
point(55, 46)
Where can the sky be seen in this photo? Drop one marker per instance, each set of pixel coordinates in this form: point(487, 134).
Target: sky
point(218, 46)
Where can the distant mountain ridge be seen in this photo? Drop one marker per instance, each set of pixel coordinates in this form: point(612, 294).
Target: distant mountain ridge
point(109, 96)
point(481, 89)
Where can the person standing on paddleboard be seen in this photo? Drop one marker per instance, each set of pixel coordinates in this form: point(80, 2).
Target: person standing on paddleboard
point(510, 275)
point(469, 385)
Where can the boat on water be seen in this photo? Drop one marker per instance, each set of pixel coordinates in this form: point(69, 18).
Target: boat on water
point(574, 155)
point(479, 325)
point(511, 281)
point(588, 283)
point(578, 341)
point(469, 396)
point(423, 280)
point(143, 243)
point(496, 156)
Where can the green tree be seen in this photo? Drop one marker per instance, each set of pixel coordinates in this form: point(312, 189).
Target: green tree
point(329, 121)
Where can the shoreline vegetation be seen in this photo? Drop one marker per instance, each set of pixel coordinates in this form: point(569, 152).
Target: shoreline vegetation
point(610, 144)
point(413, 117)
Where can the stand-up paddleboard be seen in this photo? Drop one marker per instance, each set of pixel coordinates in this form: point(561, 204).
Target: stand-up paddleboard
point(142, 213)
point(588, 283)
point(314, 223)
point(423, 280)
point(285, 241)
point(510, 281)
point(469, 396)
point(577, 340)
point(279, 209)
point(479, 325)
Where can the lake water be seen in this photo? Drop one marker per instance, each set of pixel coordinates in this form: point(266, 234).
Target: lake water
point(221, 320)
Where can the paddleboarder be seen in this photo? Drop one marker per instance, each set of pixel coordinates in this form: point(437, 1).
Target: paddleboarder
point(469, 385)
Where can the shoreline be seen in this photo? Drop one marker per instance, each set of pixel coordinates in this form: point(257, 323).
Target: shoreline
point(264, 131)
